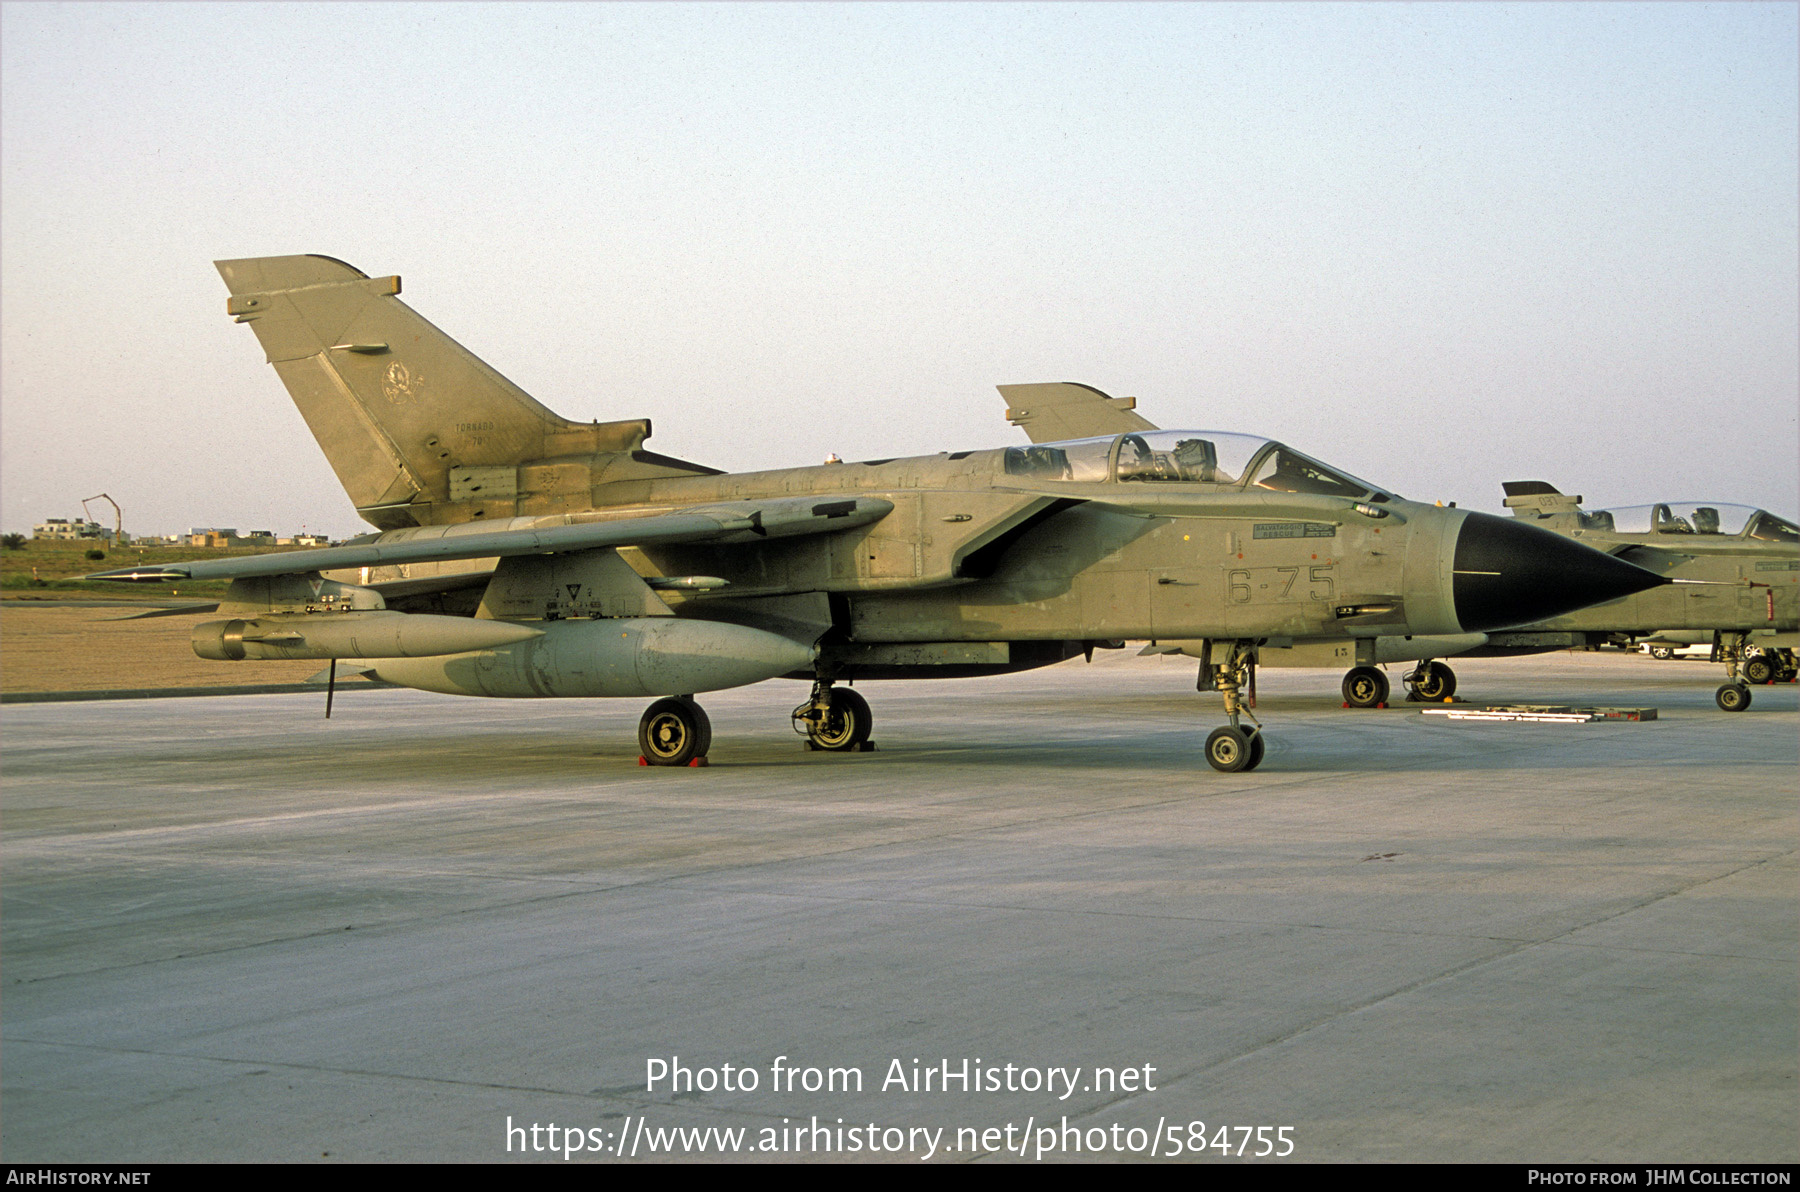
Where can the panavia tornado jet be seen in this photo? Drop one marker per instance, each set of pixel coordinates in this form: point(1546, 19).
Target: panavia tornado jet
point(1735, 575)
point(520, 554)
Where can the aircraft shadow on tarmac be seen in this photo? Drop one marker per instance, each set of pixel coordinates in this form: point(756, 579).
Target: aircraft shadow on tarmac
point(1064, 731)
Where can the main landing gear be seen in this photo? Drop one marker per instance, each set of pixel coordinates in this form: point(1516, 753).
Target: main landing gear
point(1759, 669)
point(1431, 683)
point(674, 732)
point(1365, 687)
point(1786, 669)
point(835, 720)
point(1233, 747)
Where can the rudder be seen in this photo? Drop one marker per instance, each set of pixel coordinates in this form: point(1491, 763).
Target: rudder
point(408, 417)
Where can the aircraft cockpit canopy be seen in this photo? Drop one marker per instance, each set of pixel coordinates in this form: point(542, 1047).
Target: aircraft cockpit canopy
point(1726, 521)
point(1192, 456)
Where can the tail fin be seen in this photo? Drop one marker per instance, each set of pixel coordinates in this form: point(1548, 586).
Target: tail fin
point(1537, 499)
point(1057, 410)
point(418, 429)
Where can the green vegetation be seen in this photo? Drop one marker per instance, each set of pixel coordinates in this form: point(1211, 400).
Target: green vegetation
point(23, 587)
point(38, 570)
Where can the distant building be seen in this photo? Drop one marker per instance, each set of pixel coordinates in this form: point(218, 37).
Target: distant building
point(65, 529)
point(214, 536)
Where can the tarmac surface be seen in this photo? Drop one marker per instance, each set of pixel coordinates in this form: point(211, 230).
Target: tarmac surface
point(233, 930)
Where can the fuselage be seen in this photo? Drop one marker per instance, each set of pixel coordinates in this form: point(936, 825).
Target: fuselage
point(1175, 534)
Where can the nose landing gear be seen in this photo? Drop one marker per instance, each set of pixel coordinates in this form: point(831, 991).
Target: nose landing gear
point(1233, 747)
point(1729, 648)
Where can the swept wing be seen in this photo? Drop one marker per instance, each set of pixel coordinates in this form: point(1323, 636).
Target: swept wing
point(717, 524)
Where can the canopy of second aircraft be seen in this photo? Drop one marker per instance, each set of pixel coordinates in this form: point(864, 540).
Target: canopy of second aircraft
point(1729, 521)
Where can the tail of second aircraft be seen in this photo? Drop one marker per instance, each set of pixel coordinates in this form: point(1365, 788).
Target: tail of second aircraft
point(1537, 499)
point(419, 430)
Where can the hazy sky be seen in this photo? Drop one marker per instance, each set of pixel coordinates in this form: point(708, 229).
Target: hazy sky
point(1441, 246)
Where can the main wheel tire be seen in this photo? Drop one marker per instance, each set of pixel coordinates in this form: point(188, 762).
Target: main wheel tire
point(1257, 748)
point(1733, 697)
point(1227, 750)
point(673, 732)
point(846, 724)
point(1759, 670)
point(1663, 652)
point(1436, 682)
point(1365, 687)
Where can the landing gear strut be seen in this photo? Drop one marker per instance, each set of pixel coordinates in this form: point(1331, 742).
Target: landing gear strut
point(1233, 747)
point(1785, 669)
point(674, 732)
point(1432, 682)
point(835, 720)
point(1728, 648)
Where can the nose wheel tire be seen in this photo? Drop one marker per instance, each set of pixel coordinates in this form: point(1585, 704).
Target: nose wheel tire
point(1365, 687)
point(1231, 750)
point(674, 732)
point(845, 725)
point(1733, 697)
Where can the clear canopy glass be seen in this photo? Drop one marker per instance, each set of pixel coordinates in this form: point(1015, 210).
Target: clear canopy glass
point(1190, 456)
point(1726, 521)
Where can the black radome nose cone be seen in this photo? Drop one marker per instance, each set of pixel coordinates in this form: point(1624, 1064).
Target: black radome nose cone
point(1511, 573)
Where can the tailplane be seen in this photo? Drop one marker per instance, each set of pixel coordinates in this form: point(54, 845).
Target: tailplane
point(419, 430)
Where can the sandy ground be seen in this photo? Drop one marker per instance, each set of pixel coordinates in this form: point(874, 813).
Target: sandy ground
point(64, 648)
